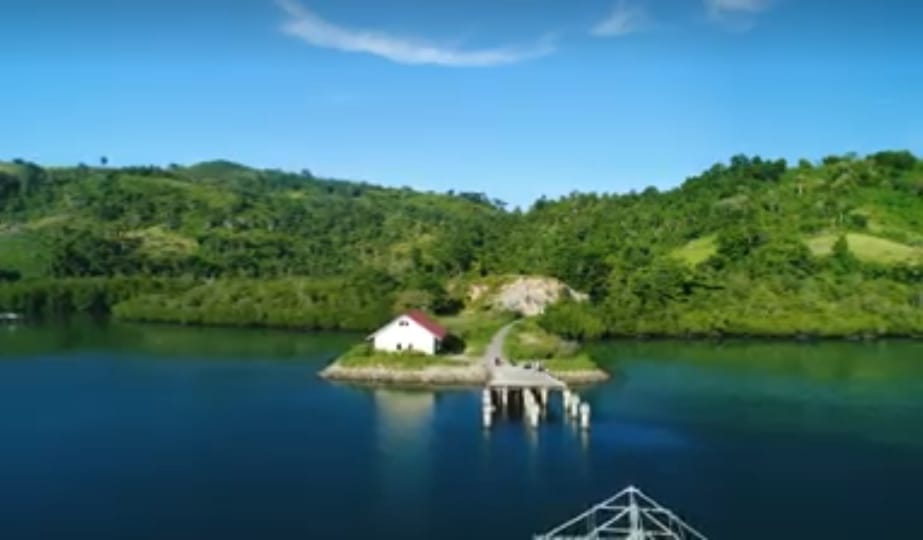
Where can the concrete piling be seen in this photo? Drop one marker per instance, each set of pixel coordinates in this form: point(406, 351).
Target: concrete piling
point(575, 406)
point(487, 407)
point(585, 416)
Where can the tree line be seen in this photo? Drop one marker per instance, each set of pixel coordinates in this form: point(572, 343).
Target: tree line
point(752, 246)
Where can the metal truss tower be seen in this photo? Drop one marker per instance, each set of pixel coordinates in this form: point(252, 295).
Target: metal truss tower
point(628, 515)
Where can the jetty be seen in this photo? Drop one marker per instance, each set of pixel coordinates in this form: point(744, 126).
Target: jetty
point(627, 515)
point(528, 386)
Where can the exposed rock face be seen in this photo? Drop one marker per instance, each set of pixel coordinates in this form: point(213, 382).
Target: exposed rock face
point(531, 295)
point(477, 291)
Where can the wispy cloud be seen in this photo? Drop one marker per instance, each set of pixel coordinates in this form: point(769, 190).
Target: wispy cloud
point(737, 6)
point(736, 14)
point(311, 28)
point(626, 17)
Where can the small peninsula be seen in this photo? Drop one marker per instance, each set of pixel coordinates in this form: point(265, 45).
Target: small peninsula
point(416, 349)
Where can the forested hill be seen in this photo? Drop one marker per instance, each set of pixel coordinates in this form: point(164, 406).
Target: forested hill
point(750, 247)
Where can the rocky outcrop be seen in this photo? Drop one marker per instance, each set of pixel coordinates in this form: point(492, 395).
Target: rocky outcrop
point(477, 291)
point(531, 295)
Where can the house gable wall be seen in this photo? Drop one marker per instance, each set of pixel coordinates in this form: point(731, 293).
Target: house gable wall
point(396, 337)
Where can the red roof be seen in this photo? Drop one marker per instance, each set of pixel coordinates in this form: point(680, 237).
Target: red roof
point(427, 322)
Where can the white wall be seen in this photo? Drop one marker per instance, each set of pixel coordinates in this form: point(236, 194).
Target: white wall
point(409, 337)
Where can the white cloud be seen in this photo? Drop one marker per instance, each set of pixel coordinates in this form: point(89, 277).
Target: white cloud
point(626, 18)
point(736, 15)
point(311, 28)
point(723, 7)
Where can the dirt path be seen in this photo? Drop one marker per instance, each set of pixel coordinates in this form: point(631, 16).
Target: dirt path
point(495, 348)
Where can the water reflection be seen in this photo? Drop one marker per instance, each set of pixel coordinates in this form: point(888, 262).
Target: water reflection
point(835, 388)
point(404, 413)
point(832, 361)
point(405, 430)
point(170, 342)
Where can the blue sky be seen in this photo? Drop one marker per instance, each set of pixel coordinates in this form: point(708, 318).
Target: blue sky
point(516, 98)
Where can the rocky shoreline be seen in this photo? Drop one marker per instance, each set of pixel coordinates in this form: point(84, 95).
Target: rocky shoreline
point(463, 375)
point(583, 376)
point(473, 374)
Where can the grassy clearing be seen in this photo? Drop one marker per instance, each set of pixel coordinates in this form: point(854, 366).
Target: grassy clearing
point(9, 168)
point(48, 221)
point(580, 362)
point(23, 252)
point(364, 356)
point(868, 248)
point(157, 241)
point(697, 251)
point(529, 341)
point(476, 328)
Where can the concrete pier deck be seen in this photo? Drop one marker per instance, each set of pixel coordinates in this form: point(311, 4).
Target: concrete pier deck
point(506, 375)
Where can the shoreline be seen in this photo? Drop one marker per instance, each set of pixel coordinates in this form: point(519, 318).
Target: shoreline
point(474, 374)
point(430, 376)
point(582, 376)
point(802, 337)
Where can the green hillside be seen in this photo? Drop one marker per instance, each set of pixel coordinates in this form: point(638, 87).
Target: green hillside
point(751, 247)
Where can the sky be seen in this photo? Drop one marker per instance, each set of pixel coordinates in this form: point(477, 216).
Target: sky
point(516, 98)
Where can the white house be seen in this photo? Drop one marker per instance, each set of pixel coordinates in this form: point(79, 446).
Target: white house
point(412, 331)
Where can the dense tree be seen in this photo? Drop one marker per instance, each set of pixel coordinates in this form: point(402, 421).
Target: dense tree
point(747, 247)
point(10, 275)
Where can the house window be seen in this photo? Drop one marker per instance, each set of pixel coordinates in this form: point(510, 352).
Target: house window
point(402, 323)
point(399, 346)
point(410, 346)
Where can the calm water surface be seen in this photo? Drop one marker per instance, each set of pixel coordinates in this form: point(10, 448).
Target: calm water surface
point(155, 432)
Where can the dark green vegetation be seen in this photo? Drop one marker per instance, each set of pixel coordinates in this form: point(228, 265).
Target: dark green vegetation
point(752, 247)
point(219, 243)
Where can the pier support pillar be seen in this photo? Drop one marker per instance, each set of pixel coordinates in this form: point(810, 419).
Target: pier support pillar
point(574, 406)
point(585, 416)
point(504, 396)
point(543, 397)
point(532, 413)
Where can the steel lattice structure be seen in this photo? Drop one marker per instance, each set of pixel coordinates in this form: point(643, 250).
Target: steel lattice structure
point(628, 515)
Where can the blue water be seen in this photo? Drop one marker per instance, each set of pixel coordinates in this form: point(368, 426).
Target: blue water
point(156, 432)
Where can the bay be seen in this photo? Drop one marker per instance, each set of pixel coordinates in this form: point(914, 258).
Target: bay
point(130, 431)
